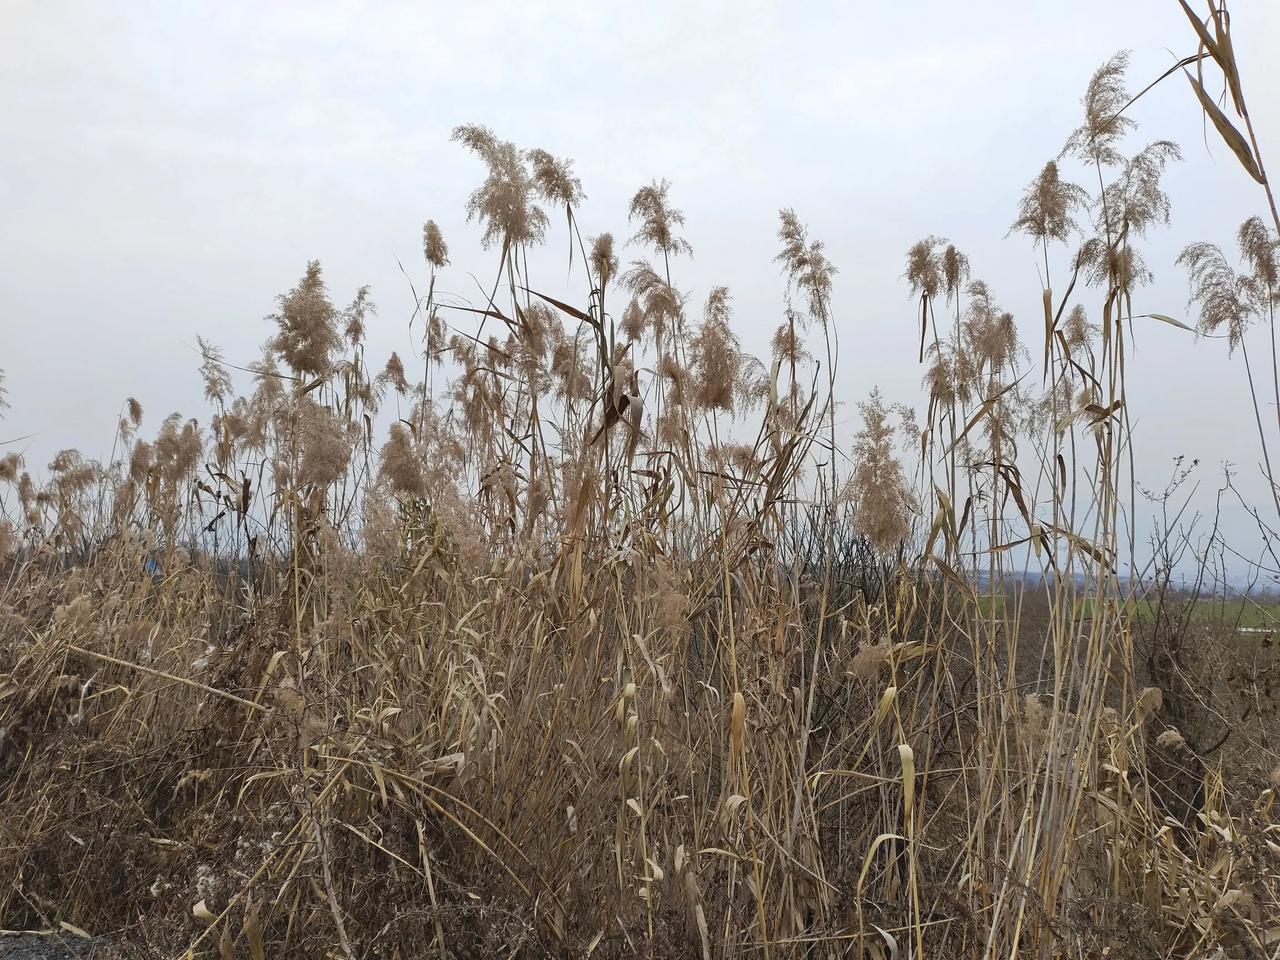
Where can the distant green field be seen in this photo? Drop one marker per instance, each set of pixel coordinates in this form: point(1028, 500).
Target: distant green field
point(989, 605)
point(1246, 613)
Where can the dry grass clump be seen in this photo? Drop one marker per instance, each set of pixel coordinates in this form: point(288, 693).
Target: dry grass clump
point(611, 647)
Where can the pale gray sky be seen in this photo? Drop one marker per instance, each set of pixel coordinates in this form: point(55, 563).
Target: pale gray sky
point(170, 167)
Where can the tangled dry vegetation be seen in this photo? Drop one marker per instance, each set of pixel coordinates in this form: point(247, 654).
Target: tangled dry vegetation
point(603, 652)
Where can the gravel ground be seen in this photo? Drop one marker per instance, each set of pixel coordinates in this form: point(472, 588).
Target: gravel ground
point(32, 947)
point(28, 946)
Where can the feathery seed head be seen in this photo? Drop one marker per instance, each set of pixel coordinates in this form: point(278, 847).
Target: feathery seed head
point(1047, 204)
point(658, 219)
point(434, 249)
point(1094, 141)
point(307, 337)
point(604, 261)
point(554, 180)
point(503, 203)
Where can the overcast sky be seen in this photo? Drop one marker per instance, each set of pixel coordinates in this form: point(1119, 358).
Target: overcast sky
point(169, 168)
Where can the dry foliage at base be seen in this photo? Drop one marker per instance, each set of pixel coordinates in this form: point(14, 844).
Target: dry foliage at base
point(602, 653)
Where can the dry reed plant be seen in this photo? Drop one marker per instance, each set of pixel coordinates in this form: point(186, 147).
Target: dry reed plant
point(595, 641)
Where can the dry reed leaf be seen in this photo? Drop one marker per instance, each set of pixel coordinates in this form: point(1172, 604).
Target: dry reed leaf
point(1169, 320)
point(1230, 135)
point(890, 940)
point(1226, 57)
point(1206, 39)
point(560, 305)
point(704, 935)
point(1220, 49)
point(1047, 298)
point(201, 912)
point(987, 406)
point(950, 573)
point(936, 527)
point(253, 931)
point(885, 705)
point(226, 948)
point(870, 856)
point(71, 928)
point(1228, 900)
point(737, 721)
point(907, 758)
point(1092, 549)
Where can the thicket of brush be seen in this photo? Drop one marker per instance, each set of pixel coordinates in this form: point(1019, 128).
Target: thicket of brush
point(590, 636)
